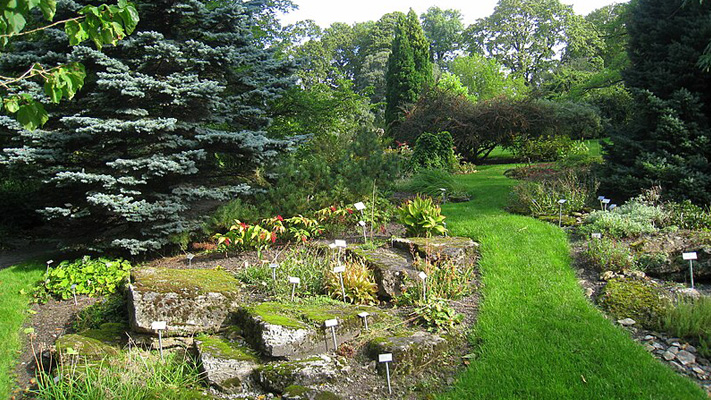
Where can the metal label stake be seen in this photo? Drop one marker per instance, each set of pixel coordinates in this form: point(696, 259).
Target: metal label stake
point(49, 262)
point(294, 281)
point(423, 276)
point(190, 257)
point(365, 233)
point(331, 323)
point(600, 199)
point(274, 267)
point(159, 326)
point(444, 195)
point(340, 270)
point(387, 358)
point(560, 213)
point(360, 207)
point(341, 244)
point(691, 256)
point(74, 292)
point(364, 315)
point(605, 202)
point(596, 235)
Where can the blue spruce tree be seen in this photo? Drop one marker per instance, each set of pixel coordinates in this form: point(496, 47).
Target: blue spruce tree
point(169, 123)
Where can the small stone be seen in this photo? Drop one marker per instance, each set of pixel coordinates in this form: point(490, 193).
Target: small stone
point(690, 348)
point(674, 349)
point(678, 366)
point(698, 370)
point(658, 346)
point(685, 357)
point(607, 275)
point(676, 344)
point(626, 322)
point(649, 347)
point(671, 341)
point(589, 292)
point(668, 355)
point(649, 337)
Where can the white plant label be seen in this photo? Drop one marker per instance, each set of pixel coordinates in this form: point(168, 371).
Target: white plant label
point(332, 246)
point(689, 256)
point(340, 243)
point(422, 275)
point(339, 270)
point(190, 256)
point(601, 198)
point(361, 223)
point(562, 201)
point(606, 201)
point(597, 235)
point(294, 280)
point(49, 261)
point(364, 314)
point(158, 325)
point(74, 286)
point(330, 323)
point(359, 206)
point(273, 265)
point(385, 357)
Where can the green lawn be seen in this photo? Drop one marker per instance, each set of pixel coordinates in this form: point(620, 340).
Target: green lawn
point(500, 155)
point(538, 337)
point(13, 312)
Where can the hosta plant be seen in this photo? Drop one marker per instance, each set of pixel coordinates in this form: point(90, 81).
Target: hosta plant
point(422, 217)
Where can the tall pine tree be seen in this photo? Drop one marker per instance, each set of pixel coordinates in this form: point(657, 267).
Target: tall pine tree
point(409, 68)
point(668, 143)
point(169, 123)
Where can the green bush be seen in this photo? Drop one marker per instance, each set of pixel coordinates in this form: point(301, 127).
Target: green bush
point(224, 217)
point(641, 300)
point(687, 215)
point(434, 151)
point(422, 217)
point(631, 219)
point(93, 277)
point(437, 315)
point(690, 319)
point(609, 255)
point(544, 148)
point(541, 198)
point(358, 281)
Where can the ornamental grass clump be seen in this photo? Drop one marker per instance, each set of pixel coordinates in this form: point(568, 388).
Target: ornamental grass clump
point(690, 319)
point(358, 280)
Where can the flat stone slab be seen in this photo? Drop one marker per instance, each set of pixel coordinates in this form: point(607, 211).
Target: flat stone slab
point(190, 301)
point(460, 250)
point(410, 351)
point(290, 331)
point(91, 345)
point(392, 269)
point(227, 364)
point(286, 376)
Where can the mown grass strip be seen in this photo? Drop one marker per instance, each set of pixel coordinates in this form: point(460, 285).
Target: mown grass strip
point(537, 336)
point(13, 312)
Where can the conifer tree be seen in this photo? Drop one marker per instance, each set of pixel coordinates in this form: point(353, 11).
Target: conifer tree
point(169, 123)
point(667, 143)
point(409, 68)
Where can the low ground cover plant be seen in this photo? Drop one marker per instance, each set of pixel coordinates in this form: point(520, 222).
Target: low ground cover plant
point(631, 219)
point(609, 255)
point(639, 299)
point(690, 319)
point(438, 316)
point(83, 276)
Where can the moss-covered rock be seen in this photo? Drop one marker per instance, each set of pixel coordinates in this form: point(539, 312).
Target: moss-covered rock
point(289, 330)
point(226, 364)
point(460, 250)
point(298, 392)
point(189, 300)
point(410, 351)
point(92, 344)
point(298, 375)
point(640, 299)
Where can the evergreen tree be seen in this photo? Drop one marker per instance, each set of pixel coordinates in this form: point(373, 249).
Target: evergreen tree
point(667, 143)
point(409, 68)
point(169, 123)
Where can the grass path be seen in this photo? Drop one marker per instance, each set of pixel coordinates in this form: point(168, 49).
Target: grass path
point(539, 337)
point(13, 312)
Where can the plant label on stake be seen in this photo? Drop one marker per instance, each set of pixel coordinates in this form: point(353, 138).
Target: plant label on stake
point(560, 215)
point(365, 234)
point(274, 267)
point(364, 315)
point(423, 276)
point(74, 292)
point(159, 326)
point(596, 235)
point(613, 206)
point(331, 323)
point(444, 195)
point(691, 256)
point(190, 257)
point(294, 281)
point(341, 244)
point(360, 206)
point(49, 262)
point(387, 358)
point(605, 202)
point(600, 199)
point(340, 270)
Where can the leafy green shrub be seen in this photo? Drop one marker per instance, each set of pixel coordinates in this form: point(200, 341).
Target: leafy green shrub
point(690, 319)
point(242, 237)
point(687, 215)
point(434, 151)
point(113, 308)
point(631, 219)
point(577, 156)
point(93, 277)
point(422, 217)
point(641, 300)
point(609, 255)
point(437, 315)
point(358, 280)
point(578, 188)
point(224, 217)
point(544, 148)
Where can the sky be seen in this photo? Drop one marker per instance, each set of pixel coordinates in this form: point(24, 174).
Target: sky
point(326, 12)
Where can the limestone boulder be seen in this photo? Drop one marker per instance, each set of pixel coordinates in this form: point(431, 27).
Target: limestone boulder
point(410, 351)
point(291, 331)
point(190, 301)
point(460, 250)
point(392, 269)
point(226, 363)
point(91, 345)
point(312, 371)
